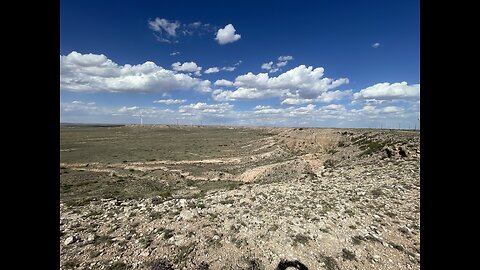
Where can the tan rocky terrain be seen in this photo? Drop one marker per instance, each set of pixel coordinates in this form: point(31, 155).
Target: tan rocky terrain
point(170, 197)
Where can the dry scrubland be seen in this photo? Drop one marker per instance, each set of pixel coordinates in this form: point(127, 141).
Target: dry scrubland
point(177, 197)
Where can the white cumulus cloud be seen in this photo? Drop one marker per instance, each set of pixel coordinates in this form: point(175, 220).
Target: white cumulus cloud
point(189, 67)
point(389, 92)
point(334, 107)
point(202, 107)
point(300, 82)
point(274, 67)
point(333, 96)
point(370, 111)
point(212, 70)
point(95, 73)
point(268, 111)
point(216, 69)
point(227, 35)
point(223, 82)
point(376, 45)
point(267, 66)
point(297, 101)
point(273, 70)
point(287, 112)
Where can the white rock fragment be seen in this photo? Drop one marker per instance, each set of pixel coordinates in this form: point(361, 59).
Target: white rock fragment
point(145, 253)
point(69, 240)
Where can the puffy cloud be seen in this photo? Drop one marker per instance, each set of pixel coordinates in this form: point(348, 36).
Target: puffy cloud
point(311, 115)
point(85, 113)
point(369, 111)
point(308, 108)
point(227, 35)
point(391, 109)
point(168, 31)
point(268, 111)
point(216, 69)
point(170, 101)
point(174, 53)
point(142, 111)
point(329, 115)
point(376, 45)
point(297, 101)
point(229, 68)
point(223, 82)
point(126, 109)
point(389, 92)
point(333, 107)
point(333, 96)
point(189, 67)
point(267, 66)
point(244, 93)
point(272, 68)
point(94, 73)
point(261, 107)
point(164, 25)
point(78, 105)
point(288, 112)
point(301, 82)
point(201, 107)
point(285, 58)
point(212, 70)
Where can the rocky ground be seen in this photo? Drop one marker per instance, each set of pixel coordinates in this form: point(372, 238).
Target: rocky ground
point(329, 198)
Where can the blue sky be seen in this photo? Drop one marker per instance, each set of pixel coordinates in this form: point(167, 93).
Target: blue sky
point(280, 63)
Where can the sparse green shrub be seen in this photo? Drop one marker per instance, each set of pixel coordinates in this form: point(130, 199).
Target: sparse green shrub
point(348, 255)
point(349, 212)
point(273, 228)
point(377, 192)
point(183, 252)
point(332, 151)
point(329, 163)
point(168, 233)
point(357, 239)
point(330, 263)
point(300, 238)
